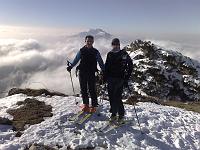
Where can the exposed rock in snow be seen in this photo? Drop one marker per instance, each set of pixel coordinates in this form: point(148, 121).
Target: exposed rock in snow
point(40, 147)
point(5, 121)
point(33, 92)
point(162, 73)
point(31, 111)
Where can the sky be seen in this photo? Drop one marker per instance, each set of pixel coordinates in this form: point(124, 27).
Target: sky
point(116, 16)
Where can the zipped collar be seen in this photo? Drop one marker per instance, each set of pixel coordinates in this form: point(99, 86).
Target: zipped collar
point(115, 50)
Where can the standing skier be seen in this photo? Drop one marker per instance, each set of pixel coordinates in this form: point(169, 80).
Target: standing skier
point(88, 56)
point(118, 69)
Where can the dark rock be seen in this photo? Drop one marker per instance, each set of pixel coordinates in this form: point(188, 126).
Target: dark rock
point(34, 92)
point(40, 147)
point(31, 112)
point(5, 121)
point(18, 134)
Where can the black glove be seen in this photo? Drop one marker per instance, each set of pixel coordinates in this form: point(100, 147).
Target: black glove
point(125, 83)
point(104, 77)
point(69, 68)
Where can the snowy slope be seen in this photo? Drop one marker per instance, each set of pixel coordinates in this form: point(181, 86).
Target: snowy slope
point(97, 33)
point(165, 127)
point(163, 73)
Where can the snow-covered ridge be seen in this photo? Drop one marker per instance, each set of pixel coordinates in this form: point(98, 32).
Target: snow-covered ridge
point(97, 33)
point(165, 128)
point(166, 74)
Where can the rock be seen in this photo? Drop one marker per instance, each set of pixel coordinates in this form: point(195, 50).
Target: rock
point(18, 134)
point(31, 112)
point(40, 147)
point(5, 121)
point(163, 73)
point(34, 92)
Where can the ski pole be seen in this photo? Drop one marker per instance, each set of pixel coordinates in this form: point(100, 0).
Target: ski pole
point(137, 117)
point(134, 106)
point(103, 88)
point(68, 63)
point(135, 111)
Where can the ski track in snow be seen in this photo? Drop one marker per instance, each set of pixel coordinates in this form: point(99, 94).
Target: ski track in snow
point(165, 128)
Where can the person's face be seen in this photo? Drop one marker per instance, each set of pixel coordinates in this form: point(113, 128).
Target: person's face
point(115, 46)
point(89, 42)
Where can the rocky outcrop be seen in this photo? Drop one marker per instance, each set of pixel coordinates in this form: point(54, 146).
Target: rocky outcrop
point(162, 73)
point(35, 146)
point(31, 112)
point(5, 121)
point(34, 92)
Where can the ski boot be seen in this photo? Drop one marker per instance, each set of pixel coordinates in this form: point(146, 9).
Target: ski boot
point(85, 108)
point(121, 120)
point(93, 109)
point(113, 118)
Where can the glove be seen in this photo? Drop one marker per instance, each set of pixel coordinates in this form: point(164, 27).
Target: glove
point(104, 77)
point(69, 68)
point(126, 83)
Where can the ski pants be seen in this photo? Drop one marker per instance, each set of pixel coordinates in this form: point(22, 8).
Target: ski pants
point(88, 82)
point(115, 89)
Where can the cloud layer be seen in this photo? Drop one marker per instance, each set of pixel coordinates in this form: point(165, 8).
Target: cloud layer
point(186, 48)
point(31, 63)
point(28, 63)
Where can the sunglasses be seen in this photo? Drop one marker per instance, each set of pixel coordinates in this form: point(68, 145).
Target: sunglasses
point(115, 44)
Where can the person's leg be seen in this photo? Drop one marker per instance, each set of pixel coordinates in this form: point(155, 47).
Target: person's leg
point(111, 94)
point(83, 86)
point(117, 94)
point(92, 89)
point(121, 110)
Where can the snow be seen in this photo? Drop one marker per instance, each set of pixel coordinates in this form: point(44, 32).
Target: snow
point(155, 67)
point(9, 102)
point(164, 127)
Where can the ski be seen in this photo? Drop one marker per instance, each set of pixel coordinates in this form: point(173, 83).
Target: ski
point(102, 129)
point(87, 116)
point(84, 118)
point(76, 116)
point(115, 126)
point(111, 126)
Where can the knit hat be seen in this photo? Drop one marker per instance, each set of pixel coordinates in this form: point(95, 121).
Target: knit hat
point(115, 41)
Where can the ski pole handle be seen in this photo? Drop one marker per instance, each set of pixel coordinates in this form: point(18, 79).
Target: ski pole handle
point(68, 63)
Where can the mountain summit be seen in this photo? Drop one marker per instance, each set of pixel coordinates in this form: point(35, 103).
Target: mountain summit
point(162, 73)
point(97, 33)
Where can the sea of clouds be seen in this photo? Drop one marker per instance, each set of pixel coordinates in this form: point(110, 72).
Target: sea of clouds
point(30, 63)
point(186, 48)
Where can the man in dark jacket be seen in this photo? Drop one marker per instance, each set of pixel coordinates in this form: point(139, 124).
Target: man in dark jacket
point(88, 56)
point(118, 69)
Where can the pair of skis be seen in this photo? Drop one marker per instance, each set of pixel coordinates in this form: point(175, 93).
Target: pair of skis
point(82, 116)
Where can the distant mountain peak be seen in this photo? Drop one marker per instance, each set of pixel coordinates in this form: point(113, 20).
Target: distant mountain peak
point(97, 33)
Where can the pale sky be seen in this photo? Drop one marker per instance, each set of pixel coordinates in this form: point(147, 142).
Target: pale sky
point(115, 16)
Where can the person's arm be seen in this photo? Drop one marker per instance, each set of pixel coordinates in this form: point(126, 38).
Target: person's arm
point(130, 66)
point(105, 73)
point(106, 64)
point(76, 59)
point(100, 61)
